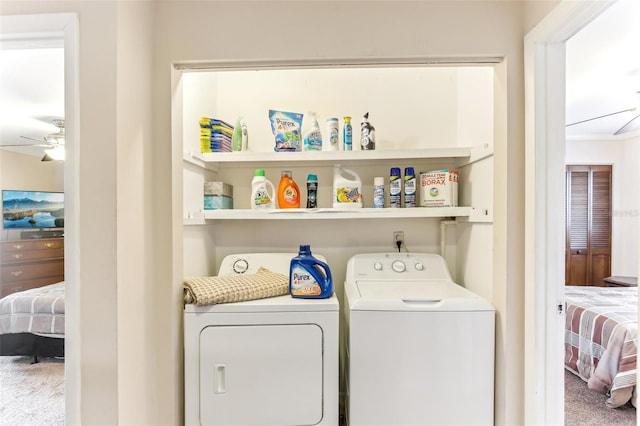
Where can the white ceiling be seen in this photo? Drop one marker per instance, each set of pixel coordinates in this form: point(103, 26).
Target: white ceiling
point(603, 76)
point(603, 73)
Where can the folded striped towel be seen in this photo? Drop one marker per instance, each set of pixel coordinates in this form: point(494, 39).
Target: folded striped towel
point(203, 291)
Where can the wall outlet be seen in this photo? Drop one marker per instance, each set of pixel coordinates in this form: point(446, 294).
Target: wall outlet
point(398, 236)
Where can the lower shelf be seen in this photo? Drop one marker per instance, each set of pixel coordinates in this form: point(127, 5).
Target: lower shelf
point(330, 213)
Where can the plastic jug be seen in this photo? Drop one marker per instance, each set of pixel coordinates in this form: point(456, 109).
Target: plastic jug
point(262, 192)
point(347, 188)
point(309, 278)
point(288, 191)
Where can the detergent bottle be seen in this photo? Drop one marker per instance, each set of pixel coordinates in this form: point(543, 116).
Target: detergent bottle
point(288, 192)
point(347, 188)
point(260, 187)
point(309, 278)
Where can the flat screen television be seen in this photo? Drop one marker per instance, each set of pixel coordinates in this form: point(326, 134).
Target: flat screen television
point(32, 209)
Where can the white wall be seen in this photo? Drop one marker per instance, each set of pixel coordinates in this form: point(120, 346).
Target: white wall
point(204, 30)
point(625, 198)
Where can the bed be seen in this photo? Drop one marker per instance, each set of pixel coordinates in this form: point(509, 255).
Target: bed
point(32, 322)
point(601, 340)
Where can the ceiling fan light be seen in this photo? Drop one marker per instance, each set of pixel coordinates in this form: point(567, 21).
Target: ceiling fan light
point(56, 154)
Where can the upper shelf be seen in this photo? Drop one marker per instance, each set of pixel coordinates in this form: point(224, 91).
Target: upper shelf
point(213, 161)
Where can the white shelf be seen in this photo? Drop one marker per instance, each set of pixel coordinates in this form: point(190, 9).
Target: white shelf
point(329, 213)
point(213, 161)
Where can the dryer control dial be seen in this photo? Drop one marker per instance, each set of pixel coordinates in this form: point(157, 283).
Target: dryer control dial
point(398, 266)
point(419, 266)
point(377, 266)
point(240, 266)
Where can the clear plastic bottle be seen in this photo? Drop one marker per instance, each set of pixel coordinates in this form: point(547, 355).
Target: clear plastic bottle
point(312, 191)
point(395, 187)
point(378, 192)
point(288, 192)
point(409, 187)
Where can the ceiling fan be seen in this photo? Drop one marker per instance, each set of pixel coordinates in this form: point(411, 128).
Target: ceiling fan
point(53, 141)
point(625, 126)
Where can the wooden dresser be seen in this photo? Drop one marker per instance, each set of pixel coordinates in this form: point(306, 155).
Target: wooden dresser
point(26, 264)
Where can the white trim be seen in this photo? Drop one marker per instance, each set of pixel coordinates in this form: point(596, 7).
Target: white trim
point(544, 201)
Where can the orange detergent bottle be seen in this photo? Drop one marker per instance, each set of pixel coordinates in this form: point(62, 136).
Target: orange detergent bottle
point(288, 192)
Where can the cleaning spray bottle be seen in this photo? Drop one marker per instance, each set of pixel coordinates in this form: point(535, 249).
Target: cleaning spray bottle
point(260, 196)
point(288, 191)
point(312, 140)
point(309, 278)
point(367, 134)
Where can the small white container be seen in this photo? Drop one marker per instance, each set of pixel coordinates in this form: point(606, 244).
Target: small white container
point(333, 135)
point(378, 192)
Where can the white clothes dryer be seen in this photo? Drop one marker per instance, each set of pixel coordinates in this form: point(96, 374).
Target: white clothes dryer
point(419, 347)
point(263, 362)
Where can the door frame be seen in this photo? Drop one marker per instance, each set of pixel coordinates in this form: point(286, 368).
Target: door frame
point(65, 27)
point(544, 56)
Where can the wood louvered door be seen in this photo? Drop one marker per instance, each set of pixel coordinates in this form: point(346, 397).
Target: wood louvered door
point(588, 213)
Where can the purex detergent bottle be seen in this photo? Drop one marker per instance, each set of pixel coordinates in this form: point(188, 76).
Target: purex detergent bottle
point(309, 278)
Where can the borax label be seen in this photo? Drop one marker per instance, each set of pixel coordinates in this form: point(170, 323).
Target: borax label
point(303, 283)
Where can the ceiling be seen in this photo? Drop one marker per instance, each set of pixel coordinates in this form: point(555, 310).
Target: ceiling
point(603, 73)
point(603, 76)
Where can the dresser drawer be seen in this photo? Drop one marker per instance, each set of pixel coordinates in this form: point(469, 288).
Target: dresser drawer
point(27, 245)
point(30, 255)
point(13, 287)
point(29, 271)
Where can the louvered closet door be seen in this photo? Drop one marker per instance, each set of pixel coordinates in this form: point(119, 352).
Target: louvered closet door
point(588, 212)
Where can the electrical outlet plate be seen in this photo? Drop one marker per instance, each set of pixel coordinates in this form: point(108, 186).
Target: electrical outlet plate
point(398, 236)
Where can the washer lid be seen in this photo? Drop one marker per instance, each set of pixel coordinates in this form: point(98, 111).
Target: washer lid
point(271, 304)
point(425, 295)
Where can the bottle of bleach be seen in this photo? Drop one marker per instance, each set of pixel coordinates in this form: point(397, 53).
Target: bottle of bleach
point(309, 278)
point(347, 188)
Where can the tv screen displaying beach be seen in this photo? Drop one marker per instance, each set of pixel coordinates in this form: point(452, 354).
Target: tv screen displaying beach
point(31, 209)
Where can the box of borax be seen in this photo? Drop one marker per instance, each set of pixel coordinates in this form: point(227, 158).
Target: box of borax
point(218, 195)
point(439, 188)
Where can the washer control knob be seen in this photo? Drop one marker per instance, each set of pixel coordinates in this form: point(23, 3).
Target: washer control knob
point(377, 266)
point(240, 266)
point(398, 266)
point(419, 266)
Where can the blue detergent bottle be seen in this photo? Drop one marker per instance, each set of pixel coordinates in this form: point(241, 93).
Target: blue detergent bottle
point(309, 278)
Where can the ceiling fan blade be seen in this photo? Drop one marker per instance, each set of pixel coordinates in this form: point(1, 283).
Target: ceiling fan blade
point(601, 116)
point(620, 130)
point(33, 139)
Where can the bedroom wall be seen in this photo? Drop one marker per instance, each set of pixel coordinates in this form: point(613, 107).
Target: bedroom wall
point(625, 197)
point(20, 171)
point(184, 30)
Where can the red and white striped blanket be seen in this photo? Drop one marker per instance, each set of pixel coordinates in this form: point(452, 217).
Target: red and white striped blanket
point(601, 339)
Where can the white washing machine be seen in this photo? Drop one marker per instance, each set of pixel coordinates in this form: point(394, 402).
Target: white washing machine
point(419, 347)
point(263, 362)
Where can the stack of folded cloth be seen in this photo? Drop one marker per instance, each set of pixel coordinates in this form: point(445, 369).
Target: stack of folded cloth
point(203, 291)
point(215, 135)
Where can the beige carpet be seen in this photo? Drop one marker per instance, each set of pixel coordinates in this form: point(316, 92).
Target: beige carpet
point(586, 407)
point(31, 394)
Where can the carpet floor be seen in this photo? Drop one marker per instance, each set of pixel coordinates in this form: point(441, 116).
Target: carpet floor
point(31, 394)
point(586, 407)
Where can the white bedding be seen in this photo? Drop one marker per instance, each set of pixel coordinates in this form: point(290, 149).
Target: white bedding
point(39, 311)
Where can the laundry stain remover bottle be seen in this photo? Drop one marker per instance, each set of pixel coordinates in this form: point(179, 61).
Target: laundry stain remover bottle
point(309, 277)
